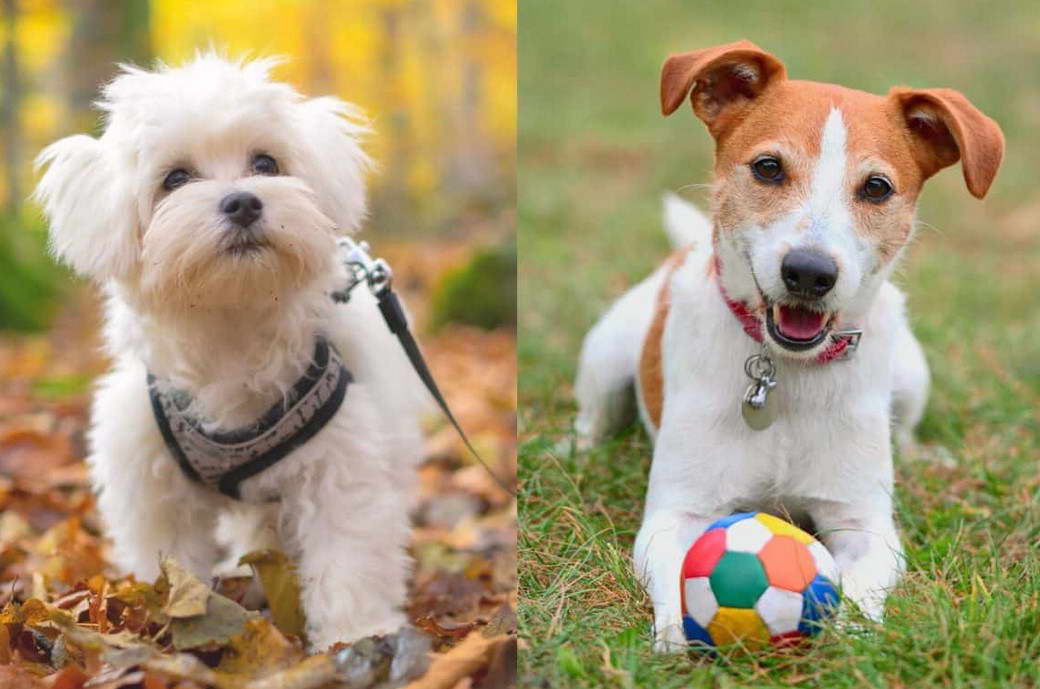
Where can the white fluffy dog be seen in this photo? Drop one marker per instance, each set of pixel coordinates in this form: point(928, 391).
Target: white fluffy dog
point(209, 212)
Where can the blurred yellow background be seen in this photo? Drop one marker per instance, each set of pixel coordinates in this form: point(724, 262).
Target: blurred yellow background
point(438, 78)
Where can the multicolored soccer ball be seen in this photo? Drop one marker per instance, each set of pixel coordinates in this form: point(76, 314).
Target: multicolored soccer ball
point(754, 578)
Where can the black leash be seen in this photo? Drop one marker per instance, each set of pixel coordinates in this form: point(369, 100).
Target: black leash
point(377, 275)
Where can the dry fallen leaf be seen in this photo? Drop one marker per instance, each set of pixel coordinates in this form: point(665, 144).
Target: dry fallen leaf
point(17, 677)
point(372, 662)
point(69, 677)
point(259, 650)
point(224, 618)
point(461, 661)
point(188, 596)
point(281, 587)
point(313, 672)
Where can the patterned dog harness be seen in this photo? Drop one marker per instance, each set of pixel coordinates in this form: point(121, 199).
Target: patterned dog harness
point(224, 460)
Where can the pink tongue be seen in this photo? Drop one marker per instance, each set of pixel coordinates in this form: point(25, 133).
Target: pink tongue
point(800, 324)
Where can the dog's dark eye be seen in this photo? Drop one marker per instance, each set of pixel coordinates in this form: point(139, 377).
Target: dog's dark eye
point(264, 164)
point(876, 189)
point(177, 178)
point(768, 169)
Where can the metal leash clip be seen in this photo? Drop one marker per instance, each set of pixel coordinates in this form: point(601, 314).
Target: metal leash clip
point(361, 267)
point(376, 273)
point(757, 407)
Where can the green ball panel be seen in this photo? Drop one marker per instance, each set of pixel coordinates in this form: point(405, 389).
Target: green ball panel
point(738, 580)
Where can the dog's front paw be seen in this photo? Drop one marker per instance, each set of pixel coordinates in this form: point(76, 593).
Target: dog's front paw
point(669, 636)
point(870, 601)
point(853, 620)
point(859, 617)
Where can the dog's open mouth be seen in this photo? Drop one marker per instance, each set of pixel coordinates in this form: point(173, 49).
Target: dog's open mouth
point(797, 327)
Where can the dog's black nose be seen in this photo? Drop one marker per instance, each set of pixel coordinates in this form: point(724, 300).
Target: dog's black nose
point(241, 208)
point(808, 273)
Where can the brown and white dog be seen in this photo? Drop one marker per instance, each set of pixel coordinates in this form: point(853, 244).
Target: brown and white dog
point(814, 199)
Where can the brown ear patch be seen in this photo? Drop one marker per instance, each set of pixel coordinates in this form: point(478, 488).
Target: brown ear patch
point(945, 127)
point(717, 78)
point(651, 376)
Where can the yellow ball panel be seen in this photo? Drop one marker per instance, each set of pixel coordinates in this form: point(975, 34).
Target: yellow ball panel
point(733, 625)
point(782, 528)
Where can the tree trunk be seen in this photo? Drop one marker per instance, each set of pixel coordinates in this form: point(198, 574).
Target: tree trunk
point(471, 168)
point(9, 105)
point(104, 34)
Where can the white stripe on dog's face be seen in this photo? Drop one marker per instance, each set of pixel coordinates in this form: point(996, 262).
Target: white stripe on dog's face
point(827, 195)
point(831, 225)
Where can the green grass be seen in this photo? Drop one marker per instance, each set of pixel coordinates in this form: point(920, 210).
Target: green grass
point(594, 158)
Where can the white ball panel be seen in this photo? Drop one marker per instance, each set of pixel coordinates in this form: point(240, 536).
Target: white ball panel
point(825, 563)
point(748, 536)
point(700, 600)
point(781, 610)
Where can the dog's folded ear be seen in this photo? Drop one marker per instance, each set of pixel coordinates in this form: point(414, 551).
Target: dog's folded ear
point(93, 219)
point(718, 80)
point(333, 130)
point(945, 127)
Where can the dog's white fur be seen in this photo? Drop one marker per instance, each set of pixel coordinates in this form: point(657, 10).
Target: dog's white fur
point(237, 330)
point(827, 459)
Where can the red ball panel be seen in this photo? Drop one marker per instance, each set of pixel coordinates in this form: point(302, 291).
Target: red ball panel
point(704, 554)
point(787, 639)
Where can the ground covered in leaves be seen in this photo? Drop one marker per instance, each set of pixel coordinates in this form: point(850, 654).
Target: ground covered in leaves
point(69, 620)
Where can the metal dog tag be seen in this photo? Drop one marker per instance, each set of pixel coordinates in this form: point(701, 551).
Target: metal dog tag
point(757, 408)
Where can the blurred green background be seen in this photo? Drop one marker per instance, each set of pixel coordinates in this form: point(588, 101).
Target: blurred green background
point(437, 77)
point(595, 156)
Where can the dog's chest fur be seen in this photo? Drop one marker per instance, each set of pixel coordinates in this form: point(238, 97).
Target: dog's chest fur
point(803, 456)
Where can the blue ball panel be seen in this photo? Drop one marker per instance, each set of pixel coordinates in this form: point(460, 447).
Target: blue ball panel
point(731, 520)
point(819, 602)
point(695, 632)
